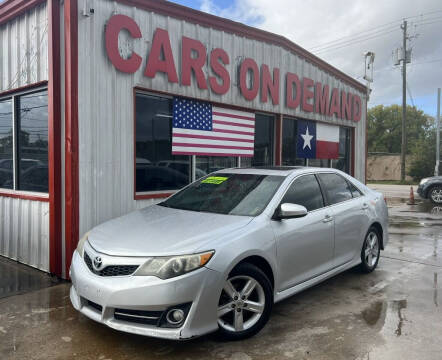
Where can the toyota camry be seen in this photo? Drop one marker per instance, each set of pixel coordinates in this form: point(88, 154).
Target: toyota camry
point(219, 253)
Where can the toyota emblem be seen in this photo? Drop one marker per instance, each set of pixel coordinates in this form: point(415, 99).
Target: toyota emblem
point(97, 262)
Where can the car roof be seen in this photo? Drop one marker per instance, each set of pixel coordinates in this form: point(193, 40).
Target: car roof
point(274, 170)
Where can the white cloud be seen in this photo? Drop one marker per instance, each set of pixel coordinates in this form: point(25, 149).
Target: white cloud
point(310, 23)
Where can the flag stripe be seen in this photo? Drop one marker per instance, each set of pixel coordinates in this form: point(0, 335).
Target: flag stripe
point(195, 149)
point(214, 146)
point(215, 133)
point(211, 137)
point(327, 150)
point(179, 152)
point(231, 123)
point(234, 121)
point(233, 128)
point(233, 112)
point(212, 142)
point(227, 131)
point(233, 116)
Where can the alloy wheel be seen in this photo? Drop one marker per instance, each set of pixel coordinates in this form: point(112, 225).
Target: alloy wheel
point(371, 251)
point(436, 195)
point(241, 304)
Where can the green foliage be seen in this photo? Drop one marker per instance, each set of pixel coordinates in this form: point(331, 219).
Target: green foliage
point(424, 156)
point(385, 128)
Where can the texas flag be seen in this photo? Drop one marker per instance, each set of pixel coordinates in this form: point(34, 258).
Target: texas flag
point(317, 141)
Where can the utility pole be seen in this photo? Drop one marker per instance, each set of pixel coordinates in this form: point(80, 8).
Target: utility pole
point(404, 98)
point(436, 169)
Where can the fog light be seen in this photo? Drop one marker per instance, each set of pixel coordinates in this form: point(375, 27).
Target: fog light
point(175, 316)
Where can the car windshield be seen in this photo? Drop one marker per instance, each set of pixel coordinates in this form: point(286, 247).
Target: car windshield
point(224, 193)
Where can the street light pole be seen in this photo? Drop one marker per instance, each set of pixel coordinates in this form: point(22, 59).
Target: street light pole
point(404, 99)
point(436, 169)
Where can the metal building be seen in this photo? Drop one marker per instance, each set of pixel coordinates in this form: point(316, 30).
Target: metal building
point(87, 90)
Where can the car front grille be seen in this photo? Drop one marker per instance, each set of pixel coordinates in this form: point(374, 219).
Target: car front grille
point(111, 270)
point(138, 316)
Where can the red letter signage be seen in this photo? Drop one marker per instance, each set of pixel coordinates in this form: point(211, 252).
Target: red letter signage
point(115, 24)
point(161, 44)
point(189, 63)
point(335, 106)
point(357, 108)
point(246, 66)
point(307, 94)
point(346, 100)
point(220, 70)
point(269, 85)
point(292, 79)
point(322, 97)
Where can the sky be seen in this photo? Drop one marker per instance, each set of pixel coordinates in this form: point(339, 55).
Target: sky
point(340, 32)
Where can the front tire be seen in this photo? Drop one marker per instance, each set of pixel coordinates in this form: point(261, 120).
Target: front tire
point(245, 303)
point(371, 251)
point(435, 195)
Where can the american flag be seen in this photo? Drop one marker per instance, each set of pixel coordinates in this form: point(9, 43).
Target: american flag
point(202, 129)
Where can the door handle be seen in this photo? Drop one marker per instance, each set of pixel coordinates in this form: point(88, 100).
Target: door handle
point(327, 219)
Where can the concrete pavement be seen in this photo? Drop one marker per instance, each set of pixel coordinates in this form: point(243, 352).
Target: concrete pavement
point(393, 313)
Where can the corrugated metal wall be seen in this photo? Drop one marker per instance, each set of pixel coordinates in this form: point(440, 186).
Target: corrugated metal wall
point(106, 101)
point(24, 224)
point(24, 49)
point(24, 231)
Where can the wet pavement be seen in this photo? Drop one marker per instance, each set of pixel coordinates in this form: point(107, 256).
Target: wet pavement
point(393, 313)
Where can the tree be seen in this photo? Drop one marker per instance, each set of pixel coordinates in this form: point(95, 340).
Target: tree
point(384, 128)
point(424, 156)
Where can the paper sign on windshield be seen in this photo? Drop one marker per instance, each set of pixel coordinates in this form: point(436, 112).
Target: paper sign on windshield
point(214, 180)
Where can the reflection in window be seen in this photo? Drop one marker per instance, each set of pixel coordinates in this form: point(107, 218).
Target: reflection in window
point(6, 166)
point(264, 137)
point(156, 168)
point(289, 133)
point(336, 188)
point(32, 111)
point(208, 164)
point(305, 191)
point(343, 163)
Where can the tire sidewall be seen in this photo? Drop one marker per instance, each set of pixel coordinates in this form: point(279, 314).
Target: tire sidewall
point(431, 191)
point(260, 276)
point(364, 266)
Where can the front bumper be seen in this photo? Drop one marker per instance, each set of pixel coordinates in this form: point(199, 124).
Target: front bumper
point(421, 191)
point(201, 288)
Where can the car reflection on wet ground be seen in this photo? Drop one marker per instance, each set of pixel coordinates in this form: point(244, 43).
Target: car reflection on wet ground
point(392, 313)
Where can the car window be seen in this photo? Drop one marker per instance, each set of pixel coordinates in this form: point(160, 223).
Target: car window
point(336, 188)
point(354, 191)
point(305, 191)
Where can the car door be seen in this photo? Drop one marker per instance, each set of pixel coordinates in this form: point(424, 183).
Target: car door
point(348, 211)
point(304, 245)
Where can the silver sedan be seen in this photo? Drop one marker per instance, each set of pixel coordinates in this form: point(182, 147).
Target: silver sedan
point(219, 253)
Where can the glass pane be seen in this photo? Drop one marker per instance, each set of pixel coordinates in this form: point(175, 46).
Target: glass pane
point(33, 172)
point(234, 194)
point(156, 168)
point(6, 168)
point(318, 163)
point(263, 153)
point(289, 133)
point(305, 191)
point(336, 188)
point(208, 164)
point(343, 163)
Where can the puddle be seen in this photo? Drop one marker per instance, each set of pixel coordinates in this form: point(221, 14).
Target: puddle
point(387, 316)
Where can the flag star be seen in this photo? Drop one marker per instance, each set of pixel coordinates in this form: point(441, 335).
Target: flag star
point(307, 139)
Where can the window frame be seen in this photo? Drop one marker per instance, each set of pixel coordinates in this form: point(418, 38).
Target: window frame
point(162, 194)
point(13, 95)
point(324, 192)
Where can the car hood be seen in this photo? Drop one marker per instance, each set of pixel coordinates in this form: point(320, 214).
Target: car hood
point(161, 231)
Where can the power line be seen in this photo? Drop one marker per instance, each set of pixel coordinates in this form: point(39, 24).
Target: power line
point(409, 93)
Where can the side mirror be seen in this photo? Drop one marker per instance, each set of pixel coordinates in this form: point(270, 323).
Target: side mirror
point(290, 211)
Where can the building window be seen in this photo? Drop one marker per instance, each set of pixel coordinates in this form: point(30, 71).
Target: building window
point(26, 128)
point(264, 142)
point(6, 145)
point(208, 164)
point(289, 136)
point(343, 162)
point(156, 168)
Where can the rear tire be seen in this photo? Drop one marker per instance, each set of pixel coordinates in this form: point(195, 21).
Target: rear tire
point(371, 251)
point(435, 195)
point(245, 303)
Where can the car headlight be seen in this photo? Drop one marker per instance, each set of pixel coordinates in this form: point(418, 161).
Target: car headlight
point(80, 245)
point(172, 266)
point(423, 181)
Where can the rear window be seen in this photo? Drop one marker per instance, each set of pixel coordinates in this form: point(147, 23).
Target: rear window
point(336, 188)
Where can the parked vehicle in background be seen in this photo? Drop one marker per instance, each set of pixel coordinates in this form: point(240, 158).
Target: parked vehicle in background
point(431, 188)
point(217, 254)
